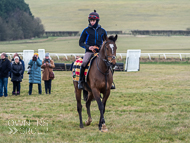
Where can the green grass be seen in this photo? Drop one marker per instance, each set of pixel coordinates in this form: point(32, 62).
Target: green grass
point(125, 15)
point(151, 105)
point(148, 44)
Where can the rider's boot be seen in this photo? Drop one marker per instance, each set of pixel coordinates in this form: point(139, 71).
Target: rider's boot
point(81, 79)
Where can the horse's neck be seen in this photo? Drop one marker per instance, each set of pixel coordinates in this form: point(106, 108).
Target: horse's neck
point(101, 64)
point(102, 53)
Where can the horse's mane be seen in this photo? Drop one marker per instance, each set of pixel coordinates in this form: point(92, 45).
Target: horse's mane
point(112, 38)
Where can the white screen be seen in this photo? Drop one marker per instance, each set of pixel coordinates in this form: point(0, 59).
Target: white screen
point(132, 60)
point(27, 56)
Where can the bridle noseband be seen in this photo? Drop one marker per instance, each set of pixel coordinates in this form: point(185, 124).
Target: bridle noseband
point(106, 61)
point(108, 64)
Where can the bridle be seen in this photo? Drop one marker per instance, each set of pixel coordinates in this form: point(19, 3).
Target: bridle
point(108, 63)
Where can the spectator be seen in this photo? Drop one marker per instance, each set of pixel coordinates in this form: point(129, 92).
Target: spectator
point(16, 75)
point(35, 73)
point(5, 67)
point(23, 65)
point(47, 66)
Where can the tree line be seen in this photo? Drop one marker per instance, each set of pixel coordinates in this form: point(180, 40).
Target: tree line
point(17, 21)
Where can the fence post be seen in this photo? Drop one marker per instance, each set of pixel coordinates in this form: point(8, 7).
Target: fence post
point(164, 56)
point(149, 56)
point(57, 56)
point(180, 57)
point(66, 56)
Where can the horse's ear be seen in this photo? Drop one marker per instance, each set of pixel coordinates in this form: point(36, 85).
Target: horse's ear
point(105, 38)
point(115, 38)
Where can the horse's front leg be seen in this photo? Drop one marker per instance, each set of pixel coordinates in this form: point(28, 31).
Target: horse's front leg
point(96, 94)
point(79, 106)
point(88, 103)
point(103, 127)
point(104, 100)
point(105, 97)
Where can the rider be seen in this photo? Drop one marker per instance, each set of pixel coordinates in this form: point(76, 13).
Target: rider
point(91, 37)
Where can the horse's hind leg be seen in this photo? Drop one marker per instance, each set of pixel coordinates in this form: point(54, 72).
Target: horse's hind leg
point(88, 103)
point(79, 106)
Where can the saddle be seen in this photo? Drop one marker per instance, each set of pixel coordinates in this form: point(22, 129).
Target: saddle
point(76, 68)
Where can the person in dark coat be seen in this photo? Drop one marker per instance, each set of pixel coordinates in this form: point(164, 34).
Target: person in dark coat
point(5, 67)
point(23, 65)
point(35, 73)
point(16, 75)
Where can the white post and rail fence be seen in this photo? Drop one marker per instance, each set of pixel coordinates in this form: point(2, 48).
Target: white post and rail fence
point(27, 56)
point(122, 55)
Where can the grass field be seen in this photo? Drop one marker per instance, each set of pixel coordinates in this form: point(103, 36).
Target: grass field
point(125, 15)
point(152, 105)
point(148, 44)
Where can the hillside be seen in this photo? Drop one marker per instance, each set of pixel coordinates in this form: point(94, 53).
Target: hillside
point(122, 15)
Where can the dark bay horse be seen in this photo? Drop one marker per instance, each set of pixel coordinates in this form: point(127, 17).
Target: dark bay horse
point(100, 79)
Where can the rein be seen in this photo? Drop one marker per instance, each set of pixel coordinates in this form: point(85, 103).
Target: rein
point(107, 63)
point(105, 74)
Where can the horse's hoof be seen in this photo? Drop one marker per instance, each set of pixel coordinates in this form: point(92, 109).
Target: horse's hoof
point(81, 126)
point(104, 128)
point(88, 122)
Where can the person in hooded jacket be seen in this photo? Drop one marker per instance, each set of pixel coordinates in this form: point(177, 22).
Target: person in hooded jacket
point(23, 65)
point(16, 75)
point(35, 73)
point(91, 37)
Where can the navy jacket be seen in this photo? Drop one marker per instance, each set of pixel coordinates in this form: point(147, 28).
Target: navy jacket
point(91, 37)
point(5, 67)
point(16, 71)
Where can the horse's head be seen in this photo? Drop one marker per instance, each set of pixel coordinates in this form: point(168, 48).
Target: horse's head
point(108, 50)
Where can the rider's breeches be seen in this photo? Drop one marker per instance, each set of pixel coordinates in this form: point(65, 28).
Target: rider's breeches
point(86, 58)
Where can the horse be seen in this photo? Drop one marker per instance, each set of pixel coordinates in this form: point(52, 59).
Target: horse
point(99, 81)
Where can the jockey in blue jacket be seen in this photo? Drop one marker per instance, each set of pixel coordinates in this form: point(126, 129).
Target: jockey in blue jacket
point(91, 37)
